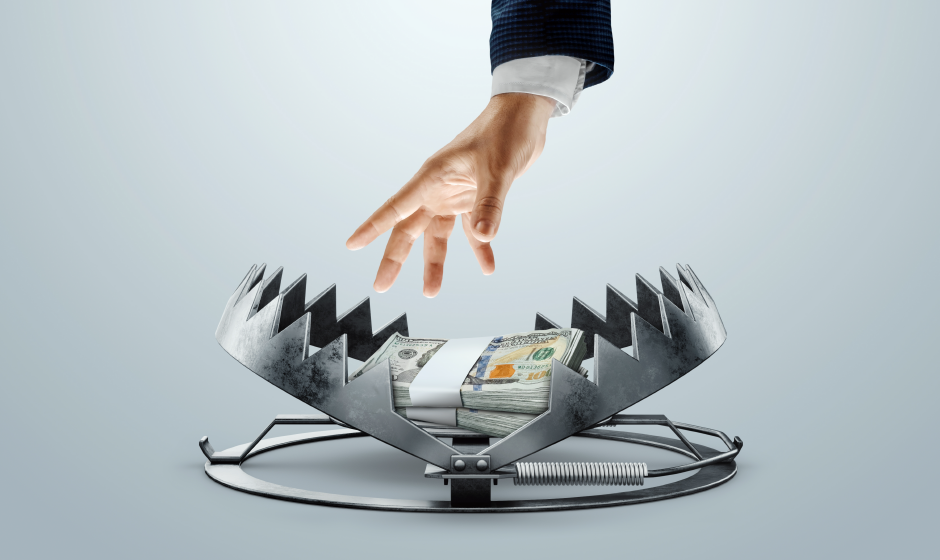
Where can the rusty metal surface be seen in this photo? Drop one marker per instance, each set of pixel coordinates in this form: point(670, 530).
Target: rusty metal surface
point(670, 331)
point(254, 332)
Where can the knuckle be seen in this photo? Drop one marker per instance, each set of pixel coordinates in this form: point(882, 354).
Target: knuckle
point(404, 235)
point(391, 203)
point(490, 204)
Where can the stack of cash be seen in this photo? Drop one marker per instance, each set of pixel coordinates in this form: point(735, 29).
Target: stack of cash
point(507, 386)
point(496, 424)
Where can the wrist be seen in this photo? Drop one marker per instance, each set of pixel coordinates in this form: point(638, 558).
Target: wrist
point(537, 106)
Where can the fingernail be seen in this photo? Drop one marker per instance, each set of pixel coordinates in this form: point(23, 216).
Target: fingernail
point(485, 227)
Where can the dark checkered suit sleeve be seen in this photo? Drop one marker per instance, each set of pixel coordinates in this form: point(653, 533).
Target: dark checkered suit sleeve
point(578, 28)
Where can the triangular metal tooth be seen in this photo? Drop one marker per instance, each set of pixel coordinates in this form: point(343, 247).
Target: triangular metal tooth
point(650, 303)
point(241, 289)
point(322, 310)
point(686, 276)
point(589, 321)
point(357, 323)
point(543, 323)
point(355, 311)
point(611, 363)
point(269, 290)
point(619, 308)
point(259, 274)
point(334, 352)
point(684, 293)
point(254, 276)
point(397, 325)
point(697, 309)
point(644, 333)
point(700, 288)
point(586, 310)
point(671, 288)
point(710, 311)
point(286, 363)
point(615, 326)
point(292, 302)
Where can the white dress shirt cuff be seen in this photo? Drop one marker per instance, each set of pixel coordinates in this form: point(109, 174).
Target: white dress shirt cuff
point(559, 77)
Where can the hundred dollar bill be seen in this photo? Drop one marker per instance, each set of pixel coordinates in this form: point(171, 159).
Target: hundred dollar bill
point(512, 375)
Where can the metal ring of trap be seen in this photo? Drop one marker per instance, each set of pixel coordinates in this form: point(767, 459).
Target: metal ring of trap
point(232, 476)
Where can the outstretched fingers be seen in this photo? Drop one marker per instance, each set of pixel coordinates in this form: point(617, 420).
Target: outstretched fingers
point(481, 249)
point(399, 245)
point(396, 209)
point(435, 250)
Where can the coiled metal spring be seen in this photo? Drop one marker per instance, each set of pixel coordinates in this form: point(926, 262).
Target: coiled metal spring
point(580, 474)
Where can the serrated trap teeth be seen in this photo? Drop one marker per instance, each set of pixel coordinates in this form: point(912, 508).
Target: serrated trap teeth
point(700, 288)
point(668, 341)
point(616, 325)
point(619, 308)
point(269, 290)
point(322, 310)
point(282, 358)
point(686, 277)
point(248, 283)
point(241, 285)
point(258, 275)
point(543, 323)
point(292, 302)
point(356, 323)
point(270, 333)
point(397, 325)
point(671, 288)
point(324, 324)
point(650, 303)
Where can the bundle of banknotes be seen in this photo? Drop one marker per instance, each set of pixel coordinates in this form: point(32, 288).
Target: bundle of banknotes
point(506, 387)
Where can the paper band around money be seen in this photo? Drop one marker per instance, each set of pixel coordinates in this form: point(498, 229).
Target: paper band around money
point(494, 403)
point(434, 415)
point(439, 384)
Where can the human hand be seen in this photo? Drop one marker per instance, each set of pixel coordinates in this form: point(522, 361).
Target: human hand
point(472, 174)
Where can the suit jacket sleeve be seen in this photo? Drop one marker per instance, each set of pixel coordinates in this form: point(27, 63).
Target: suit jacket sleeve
point(577, 28)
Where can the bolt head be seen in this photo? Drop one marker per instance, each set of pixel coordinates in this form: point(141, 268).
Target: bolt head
point(481, 465)
point(459, 465)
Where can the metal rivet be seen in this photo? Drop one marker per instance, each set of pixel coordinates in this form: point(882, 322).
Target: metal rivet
point(459, 465)
point(481, 465)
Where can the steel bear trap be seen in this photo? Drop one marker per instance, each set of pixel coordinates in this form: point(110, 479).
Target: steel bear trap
point(670, 332)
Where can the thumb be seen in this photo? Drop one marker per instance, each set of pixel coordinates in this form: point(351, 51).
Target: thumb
point(488, 208)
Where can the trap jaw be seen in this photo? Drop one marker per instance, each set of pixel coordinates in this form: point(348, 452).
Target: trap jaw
point(670, 332)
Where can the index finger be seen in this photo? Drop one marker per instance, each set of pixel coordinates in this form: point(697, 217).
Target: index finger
point(401, 205)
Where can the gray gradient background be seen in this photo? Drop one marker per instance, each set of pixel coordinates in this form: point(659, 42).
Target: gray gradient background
point(151, 152)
